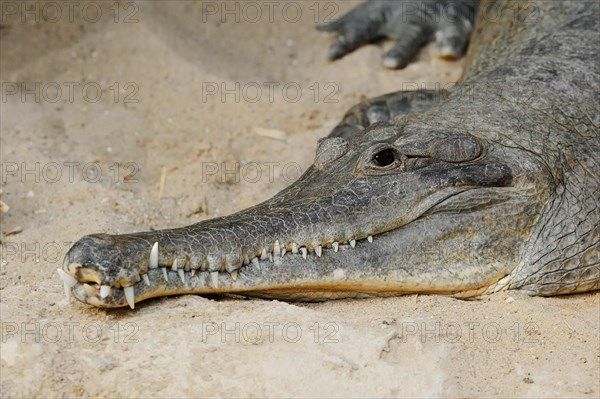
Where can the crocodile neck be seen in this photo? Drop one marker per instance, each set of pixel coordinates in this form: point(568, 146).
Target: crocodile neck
point(535, 73)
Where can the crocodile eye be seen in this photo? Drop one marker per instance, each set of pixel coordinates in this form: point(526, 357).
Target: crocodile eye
point(384, 157)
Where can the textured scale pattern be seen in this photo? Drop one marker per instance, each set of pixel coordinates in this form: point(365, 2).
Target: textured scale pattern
point(491, 185)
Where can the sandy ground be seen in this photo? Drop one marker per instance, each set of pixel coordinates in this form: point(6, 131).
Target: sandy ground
point(155, 147)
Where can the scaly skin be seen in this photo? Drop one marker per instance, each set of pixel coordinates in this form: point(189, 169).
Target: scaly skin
point(493, 185)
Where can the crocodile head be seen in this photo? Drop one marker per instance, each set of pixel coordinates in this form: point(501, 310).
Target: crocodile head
point(395, 209)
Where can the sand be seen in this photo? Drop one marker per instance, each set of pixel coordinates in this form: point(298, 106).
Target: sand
point(130, 120)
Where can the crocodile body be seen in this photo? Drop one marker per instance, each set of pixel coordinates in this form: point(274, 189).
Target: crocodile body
point(492, 185)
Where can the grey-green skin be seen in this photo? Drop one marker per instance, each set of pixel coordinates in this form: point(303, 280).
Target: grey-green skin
point(493, 185)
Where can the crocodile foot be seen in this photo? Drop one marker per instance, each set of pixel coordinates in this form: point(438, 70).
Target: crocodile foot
point(411, 24)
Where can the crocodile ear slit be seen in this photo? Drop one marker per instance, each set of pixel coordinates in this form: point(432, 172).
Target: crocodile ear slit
point(456, 148)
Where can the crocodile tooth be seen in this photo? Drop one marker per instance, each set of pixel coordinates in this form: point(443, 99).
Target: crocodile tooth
point(263, 255)
point(164, 270)
point(304, 252)
point(181, 275)
point(256, 263)
point(318, 250)
point(153, 264)
point(353, 243)
point(214, 276)
point(246, 260)
point(105, 290)
point(89, 290)
point(283, 251)
point(68, 282)
point(66, 278)
point(276, 248)
point(294, 248)
point(234, 275)
point(370, 238)
point(146, 279)
point(129, 296)
point(193, 272)
point(174, 265)
point(335, 246)
point(202, 264)
point(215, 262)
point(271, 257)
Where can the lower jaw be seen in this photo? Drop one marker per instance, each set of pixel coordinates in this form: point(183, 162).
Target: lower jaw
point(308, 291)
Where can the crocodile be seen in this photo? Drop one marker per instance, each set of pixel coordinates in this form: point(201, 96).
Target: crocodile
point(491, 185)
